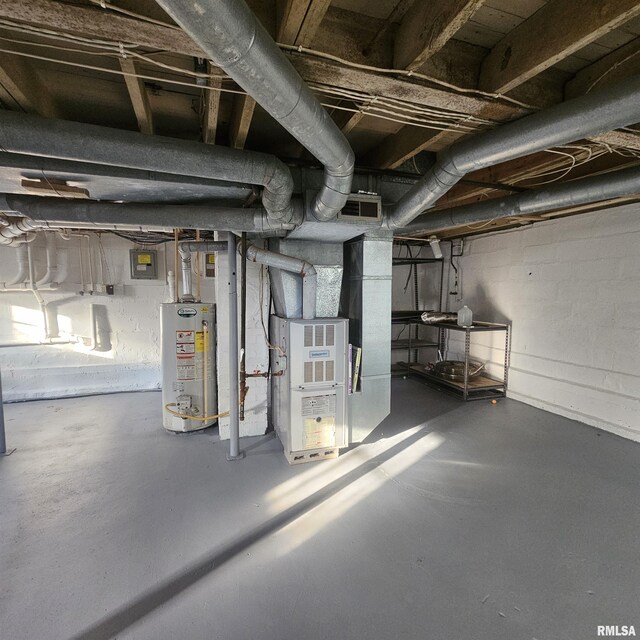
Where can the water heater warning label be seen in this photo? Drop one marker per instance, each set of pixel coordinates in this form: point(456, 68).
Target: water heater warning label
point(185, 336)
point(186, 367)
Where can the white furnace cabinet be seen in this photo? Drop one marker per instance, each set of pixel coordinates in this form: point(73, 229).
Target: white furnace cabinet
point(188, 365)
point(309, 397)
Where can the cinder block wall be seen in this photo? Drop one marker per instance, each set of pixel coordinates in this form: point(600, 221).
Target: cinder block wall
point(129, 323)
point(571, 289)
point(257, 356)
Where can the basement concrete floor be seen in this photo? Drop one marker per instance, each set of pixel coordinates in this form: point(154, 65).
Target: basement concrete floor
point(454, 522)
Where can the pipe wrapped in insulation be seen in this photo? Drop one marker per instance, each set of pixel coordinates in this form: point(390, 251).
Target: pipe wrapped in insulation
point(293, 265)
point(90, 213)
point(230, 33)
point(33, 135)
point(625, 182)
point(583, 117)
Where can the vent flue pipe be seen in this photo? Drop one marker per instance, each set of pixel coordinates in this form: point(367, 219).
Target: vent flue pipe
point(232, 36)
point(185, 249)
point(584, 117)
point(625, 182)
point(294, 265)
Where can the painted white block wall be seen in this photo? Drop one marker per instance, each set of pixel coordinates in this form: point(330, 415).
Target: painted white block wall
point(131, 323)
point(570, 287)
point(257, 356)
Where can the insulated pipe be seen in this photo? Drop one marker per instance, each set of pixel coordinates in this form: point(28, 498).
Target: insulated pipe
point(234, 400)
point(33, 135)
point(625, 182)
point(23, 266)
point(52, 261)
point(94, 214)
point(232, 36)
point(583, 117)
point(294, 265)
point(185, 249)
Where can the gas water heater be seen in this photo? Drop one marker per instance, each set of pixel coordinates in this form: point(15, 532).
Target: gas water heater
point(188, 366)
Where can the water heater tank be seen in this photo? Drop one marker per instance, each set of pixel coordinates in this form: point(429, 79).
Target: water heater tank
point(188, 366)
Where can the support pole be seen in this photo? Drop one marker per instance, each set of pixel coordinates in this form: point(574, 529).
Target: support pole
point(234, 417)
point(3, 440)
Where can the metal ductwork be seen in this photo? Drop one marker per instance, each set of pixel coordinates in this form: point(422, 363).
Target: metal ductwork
point(229, 32)
point(583, 117)
point(294, 265)
point(90, 214)
point(559, 196)
point(32, 135)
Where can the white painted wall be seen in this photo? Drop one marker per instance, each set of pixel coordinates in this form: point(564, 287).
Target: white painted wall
point(131, 326)
point(257, 356)
point(570, 287)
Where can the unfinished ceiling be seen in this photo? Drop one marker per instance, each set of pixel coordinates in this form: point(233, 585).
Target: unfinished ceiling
point(402, 79)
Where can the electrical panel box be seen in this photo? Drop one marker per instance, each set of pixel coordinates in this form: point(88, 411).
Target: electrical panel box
point(209, 265)
point(144, 265)
point(188, 366)
point(309, 396)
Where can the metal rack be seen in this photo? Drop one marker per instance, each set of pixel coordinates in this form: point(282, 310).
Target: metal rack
point(413, 343)
point(476, 388)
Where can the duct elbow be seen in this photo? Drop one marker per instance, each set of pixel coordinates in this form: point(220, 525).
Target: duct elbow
point(337, 187)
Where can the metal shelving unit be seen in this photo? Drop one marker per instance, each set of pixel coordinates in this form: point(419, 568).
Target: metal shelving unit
point(481, 386)
point(413, 343)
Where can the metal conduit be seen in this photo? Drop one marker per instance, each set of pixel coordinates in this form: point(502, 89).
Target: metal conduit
point(230, 33)
point(583, 117)
point(558, 196)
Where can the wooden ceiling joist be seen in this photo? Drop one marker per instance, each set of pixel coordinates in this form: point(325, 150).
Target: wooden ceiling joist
point(426, 27)
point(243, 107)
point(614, 67)
point(22, 88)
point(300, 21)
point(211, 110)
point(555, 31)
point(138, 95)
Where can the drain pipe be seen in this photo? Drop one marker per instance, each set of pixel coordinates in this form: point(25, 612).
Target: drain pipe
point(23, 266)
point(52, 261)
point(558, 196)
point(583, 117)
point(234, 400)
point(294, 265)
point(36, 136)
point(235, 40)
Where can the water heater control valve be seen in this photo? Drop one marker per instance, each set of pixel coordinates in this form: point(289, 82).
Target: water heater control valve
point(184, 403)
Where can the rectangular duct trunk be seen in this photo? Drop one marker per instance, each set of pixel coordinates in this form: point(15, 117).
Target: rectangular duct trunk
point(366, 301)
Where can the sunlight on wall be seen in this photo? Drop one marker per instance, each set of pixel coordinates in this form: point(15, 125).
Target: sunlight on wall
point(27, 324)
